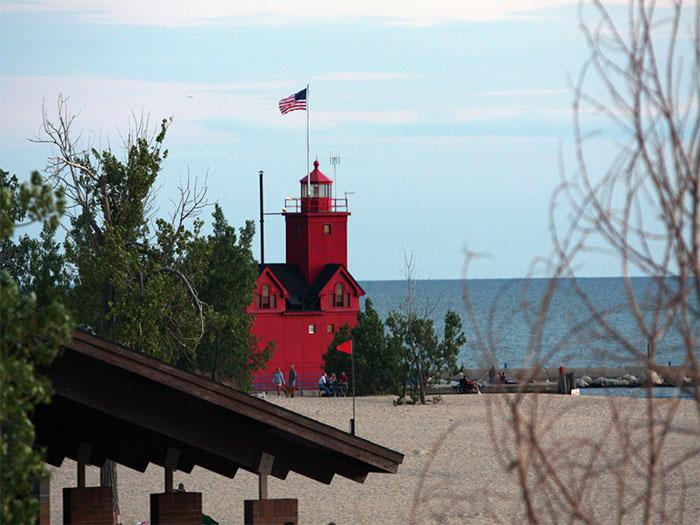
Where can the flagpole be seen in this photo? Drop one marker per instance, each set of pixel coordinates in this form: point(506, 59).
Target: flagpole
point(308, 135)
point(352, 421)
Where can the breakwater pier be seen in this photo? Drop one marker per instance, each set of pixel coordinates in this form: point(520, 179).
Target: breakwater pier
point(546, 380)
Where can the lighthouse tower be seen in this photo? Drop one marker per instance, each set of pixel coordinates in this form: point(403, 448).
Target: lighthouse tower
point(301, 303)
point(317, 233)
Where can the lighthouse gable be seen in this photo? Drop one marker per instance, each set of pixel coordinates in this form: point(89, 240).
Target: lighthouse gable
point(297, 298)
point(282, 288)
point(337, 289)
point(270, 293)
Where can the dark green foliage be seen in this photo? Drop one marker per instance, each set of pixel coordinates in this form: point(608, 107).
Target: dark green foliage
point(377, 362)
point(31, 330)
point(225, 281)
point(136, 280)
point(37, 266)
point(424, 355)
point(130, 288)
point(23, 204)
point(453, 338)
point(335, 362)
point(156, 287)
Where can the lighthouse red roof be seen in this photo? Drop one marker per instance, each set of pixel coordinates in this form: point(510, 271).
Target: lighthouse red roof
point(317, 177)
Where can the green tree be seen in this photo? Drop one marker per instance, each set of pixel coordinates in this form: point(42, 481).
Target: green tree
point(30, 335)
point(226, 281)
point(452, 340)
point(377, 363)
point(129, 285)
point(424, 355)
point(37, 265)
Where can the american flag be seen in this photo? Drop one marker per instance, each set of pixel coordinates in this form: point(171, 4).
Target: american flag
point(293, 102)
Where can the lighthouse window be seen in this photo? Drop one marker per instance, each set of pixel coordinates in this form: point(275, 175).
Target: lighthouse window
point(312, 328)
point(265, 296)
point(346, 300)
point(330, 328)
point(338, 296)
point(327, 229)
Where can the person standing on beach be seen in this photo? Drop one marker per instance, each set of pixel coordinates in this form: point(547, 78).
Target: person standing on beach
point(278, 380)
point(292, 380)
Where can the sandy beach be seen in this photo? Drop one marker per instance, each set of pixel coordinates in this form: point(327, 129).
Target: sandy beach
point(465, 481)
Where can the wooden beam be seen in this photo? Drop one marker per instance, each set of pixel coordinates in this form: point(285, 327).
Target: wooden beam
point(171, 459)
point(264, 470)
point(83, 457)
point(54, 458)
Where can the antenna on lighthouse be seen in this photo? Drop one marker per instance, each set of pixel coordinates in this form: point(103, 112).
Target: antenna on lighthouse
point(335, 161)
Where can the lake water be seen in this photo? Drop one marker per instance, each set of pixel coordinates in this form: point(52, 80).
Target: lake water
point(569, 338)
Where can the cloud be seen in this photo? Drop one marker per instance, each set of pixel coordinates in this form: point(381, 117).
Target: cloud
point(366, 76)
point(105, 102)
point(222, 112)
point(182, 13)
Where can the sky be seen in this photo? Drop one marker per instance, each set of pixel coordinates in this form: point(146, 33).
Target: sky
point(449, 117)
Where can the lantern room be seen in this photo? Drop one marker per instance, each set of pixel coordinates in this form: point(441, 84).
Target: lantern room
point(316, 191)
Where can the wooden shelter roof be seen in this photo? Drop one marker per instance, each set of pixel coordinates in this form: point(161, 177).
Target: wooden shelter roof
point(132, 409)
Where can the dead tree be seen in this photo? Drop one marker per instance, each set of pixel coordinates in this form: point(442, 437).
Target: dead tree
point(643, 212)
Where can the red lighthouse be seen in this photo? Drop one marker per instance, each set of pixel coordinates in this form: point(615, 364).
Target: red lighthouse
point(301, 304)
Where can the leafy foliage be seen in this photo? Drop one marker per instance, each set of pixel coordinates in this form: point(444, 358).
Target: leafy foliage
point(37, 266)
point(136, 279)
point(377, 361)
point(130, 288)
point(424, 355)
point(33, 325)
point(225, 282)
point(335, 361)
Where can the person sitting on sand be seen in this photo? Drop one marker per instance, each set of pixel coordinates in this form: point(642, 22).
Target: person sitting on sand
point(323, 385)
point(343, 383)
point(467, 386)
point(333, 385)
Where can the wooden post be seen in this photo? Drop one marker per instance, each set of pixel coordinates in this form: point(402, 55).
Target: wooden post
point(83, 457)
point(171, 458)
point(264, 470)
point(262, 486)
